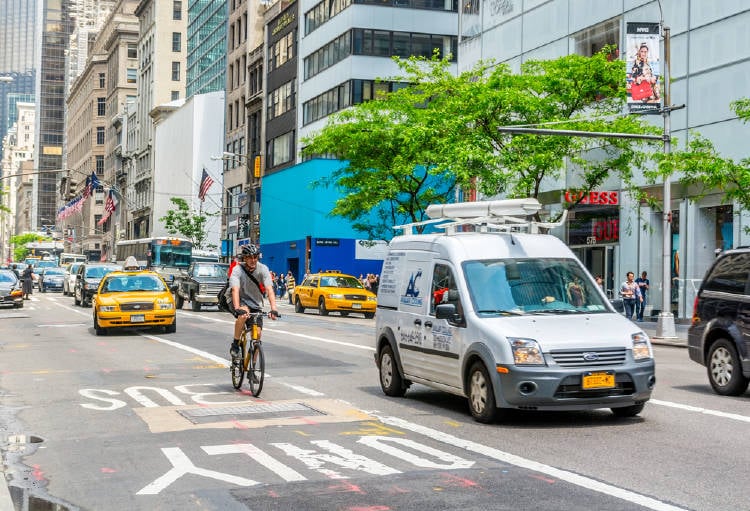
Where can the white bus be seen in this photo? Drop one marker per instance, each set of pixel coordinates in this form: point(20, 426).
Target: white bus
point(67, 258)
point(164, 255)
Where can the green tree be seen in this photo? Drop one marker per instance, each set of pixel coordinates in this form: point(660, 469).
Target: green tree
point(185, 222)
point(19, 241)
point(702, 169)
point(443, 129)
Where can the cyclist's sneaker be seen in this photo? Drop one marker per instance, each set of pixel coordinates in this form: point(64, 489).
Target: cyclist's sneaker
point(234, 351)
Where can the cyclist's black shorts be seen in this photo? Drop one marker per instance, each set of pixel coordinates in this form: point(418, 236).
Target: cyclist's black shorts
point(258, 320)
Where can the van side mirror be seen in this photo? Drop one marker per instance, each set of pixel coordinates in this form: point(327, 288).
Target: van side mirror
point(447, 311)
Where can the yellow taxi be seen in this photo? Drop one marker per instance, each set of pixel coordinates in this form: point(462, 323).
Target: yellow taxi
point(133, 299)
point(333, 291)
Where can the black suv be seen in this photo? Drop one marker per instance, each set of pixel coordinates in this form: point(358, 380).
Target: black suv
point(87, 281)
point(721, 323)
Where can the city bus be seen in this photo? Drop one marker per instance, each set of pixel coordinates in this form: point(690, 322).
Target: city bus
point(166, 256)
point(204, 256)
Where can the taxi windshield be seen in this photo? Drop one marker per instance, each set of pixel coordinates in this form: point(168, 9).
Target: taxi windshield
point(130, 283)
point(532, 286)
point(340, 281)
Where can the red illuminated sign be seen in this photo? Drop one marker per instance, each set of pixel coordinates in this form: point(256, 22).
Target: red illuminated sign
point(594, 198)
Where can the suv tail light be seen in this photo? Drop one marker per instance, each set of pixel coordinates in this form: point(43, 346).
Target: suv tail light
point(695, 319)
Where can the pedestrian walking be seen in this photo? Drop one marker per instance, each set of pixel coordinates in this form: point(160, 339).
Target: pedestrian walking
point(290, 283)
point(643, 286)
point(630, 293)
point(27, 279)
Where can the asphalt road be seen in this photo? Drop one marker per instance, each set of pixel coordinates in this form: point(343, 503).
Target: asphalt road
point(146, 420)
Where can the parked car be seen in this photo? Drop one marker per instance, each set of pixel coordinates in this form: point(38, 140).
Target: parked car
point(717, 337)
point(11, 289)
point(133, 299)
point(51, 279)
point(333, 291)
point(88, 277)
point(200, 284)
point(70, 278)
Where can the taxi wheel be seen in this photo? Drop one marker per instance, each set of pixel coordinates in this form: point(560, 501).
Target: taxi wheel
point(369, 315)
point(322, 307)
point(344, 314)
point(390, 378)
point(481, 395)
point(170, 329)
point(298, 308)
point(99, 330)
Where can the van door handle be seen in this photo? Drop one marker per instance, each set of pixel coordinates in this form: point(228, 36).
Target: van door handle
point(428, 324)
point(417, 321)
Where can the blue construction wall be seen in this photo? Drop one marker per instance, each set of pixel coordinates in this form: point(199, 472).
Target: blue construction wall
point(294, 215)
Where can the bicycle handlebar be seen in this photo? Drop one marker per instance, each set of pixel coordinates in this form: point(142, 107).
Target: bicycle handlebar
point(265, 314)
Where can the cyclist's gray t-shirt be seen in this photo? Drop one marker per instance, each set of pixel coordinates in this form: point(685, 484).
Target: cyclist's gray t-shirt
point(250, 294)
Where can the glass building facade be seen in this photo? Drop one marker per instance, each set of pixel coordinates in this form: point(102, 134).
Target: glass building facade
point(18, 25)
point(206, 45)
point(50, 119)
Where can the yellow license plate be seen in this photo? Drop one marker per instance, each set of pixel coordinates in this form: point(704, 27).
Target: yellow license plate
point(602, 380)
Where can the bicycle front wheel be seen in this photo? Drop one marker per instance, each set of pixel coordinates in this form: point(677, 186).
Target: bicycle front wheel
point(256, 369)
point(237, 368)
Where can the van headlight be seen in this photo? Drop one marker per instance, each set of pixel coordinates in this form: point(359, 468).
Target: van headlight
point(641, 347)
point(526, 351)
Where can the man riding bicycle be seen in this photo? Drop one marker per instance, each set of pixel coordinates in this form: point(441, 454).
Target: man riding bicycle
point(250, 281)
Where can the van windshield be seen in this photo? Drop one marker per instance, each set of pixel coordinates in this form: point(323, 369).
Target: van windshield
point(532, 286)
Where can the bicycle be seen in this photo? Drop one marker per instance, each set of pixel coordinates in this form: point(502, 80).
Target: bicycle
point(250, 361)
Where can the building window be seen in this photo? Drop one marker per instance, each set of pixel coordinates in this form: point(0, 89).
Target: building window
point(175, 71)
point(590, 41)
point(132, 75)
point(177, 10)
point(280, 149)
point(97, 218)
point(132, 51)
point(102, 81)
point(280, 100)
point(101, 106)
point(281, 51)
point(176, 41)
point(175, 95)
point(100, 166)
point(100, 135)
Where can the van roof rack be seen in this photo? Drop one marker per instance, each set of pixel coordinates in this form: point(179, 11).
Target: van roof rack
point(508, 215)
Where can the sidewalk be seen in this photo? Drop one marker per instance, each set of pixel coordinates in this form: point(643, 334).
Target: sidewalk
point(681, 330)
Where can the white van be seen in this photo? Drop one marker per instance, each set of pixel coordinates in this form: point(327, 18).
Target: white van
point(508, 319)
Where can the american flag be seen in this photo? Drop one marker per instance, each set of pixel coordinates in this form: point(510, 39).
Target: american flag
point(206, 182)
point(109, 207)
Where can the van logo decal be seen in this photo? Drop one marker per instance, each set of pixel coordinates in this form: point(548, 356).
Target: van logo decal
point(411, 294)
point(590, 356)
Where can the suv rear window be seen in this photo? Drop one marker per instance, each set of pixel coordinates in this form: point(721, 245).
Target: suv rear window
point(729, 275)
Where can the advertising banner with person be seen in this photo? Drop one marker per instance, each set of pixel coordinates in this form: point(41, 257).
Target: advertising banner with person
point(643, 61)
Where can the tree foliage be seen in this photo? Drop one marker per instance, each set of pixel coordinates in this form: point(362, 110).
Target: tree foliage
point(185, 222)
point(19, 241)
point(411, 147)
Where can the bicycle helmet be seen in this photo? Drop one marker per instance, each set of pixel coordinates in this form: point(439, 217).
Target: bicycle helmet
point(250, 250)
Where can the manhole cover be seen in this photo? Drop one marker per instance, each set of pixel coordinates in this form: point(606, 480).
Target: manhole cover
point(254, 412)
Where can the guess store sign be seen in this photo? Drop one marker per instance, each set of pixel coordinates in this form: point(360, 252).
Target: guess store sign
point(595, 220)
point(593, 198)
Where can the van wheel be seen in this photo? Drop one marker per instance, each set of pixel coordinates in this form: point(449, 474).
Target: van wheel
point(390, 379)
point(322, 307)
point(628, 411)
point(725, 369)
point(481, 395)
point(298, 308)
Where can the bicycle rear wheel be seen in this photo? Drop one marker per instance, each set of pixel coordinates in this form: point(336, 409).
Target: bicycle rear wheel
point(237, 368)
point(256, 369)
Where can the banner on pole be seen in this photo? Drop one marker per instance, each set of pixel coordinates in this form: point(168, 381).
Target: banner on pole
point(644, 68)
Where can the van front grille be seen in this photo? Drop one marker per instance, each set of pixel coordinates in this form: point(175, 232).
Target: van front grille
point(589, 358)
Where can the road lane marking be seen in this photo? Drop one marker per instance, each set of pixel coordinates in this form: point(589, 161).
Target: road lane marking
point(705, 411)
point(528, 464)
